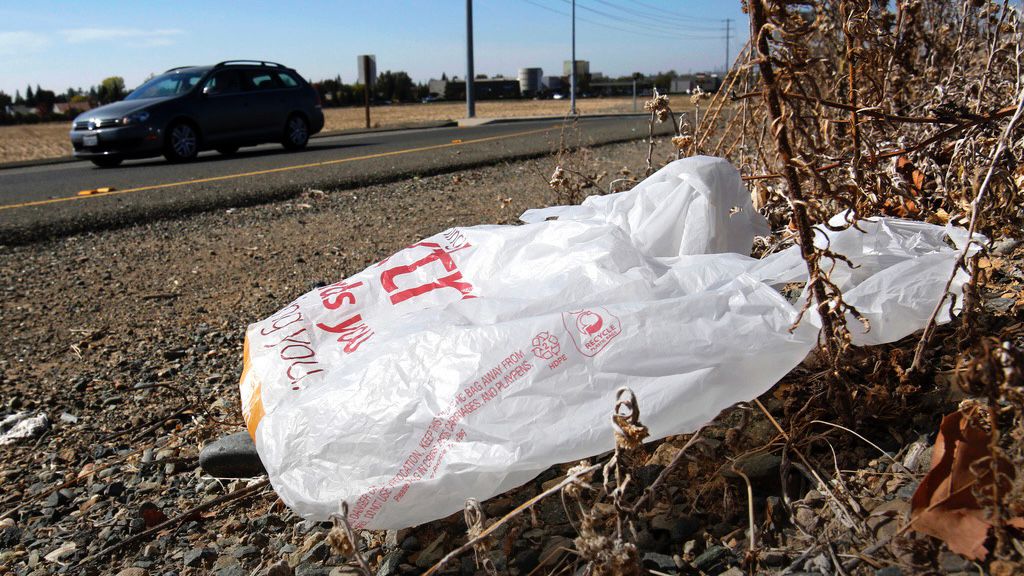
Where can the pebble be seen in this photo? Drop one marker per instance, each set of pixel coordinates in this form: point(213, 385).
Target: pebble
point(660, 562)
point(233, 456)
point(133, 571)
point(713, 559)
point(389, 565)
point(196, 557)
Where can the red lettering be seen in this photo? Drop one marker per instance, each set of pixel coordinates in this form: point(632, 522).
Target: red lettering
point(437, 254)
point(335, 295)
point(353, 332)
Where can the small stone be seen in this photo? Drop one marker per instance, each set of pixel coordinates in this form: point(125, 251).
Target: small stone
point(245, 551)
point(432, 553)
point(228, 566)
point(526, 560)
point(807, 518)
point(713, 559)
point(389, 565)
point(280, 569)
point(950, 562)
point(68, 418)
point(1005, 246)
point(410, 543)
point(317, 553)
point(133, 571)
point(757, 467)
point(233, 456)
point(9, 536)
point(889, 571)
point(659, 562)
point(114, 489)
point(59, 498)
point(197, 557)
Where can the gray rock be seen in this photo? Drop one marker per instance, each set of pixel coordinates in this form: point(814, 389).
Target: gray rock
point(228, 566)
point(432, 553)
point(244, 551)
point(233, 456)
point(389, 565)
point(280, 569)
point(1005, 245)
point(197, 557)
point(950, 562)
point(312, 570)
point(889, 571)
point(659, 562)
point(133, 571)
point(758, 467)
point(317, 553)
point(713, 560)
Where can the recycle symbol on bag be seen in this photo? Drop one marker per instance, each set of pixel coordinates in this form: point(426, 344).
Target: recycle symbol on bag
point(545, 346)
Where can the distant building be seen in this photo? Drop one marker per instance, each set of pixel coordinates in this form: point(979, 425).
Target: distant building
point(531, 81)
point(66, 107)
point(20, 110)
point(582, 68)
point(484, 88)
point(552, 83)
point(688, 83)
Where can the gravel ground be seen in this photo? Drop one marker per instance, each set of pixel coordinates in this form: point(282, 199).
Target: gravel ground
point(122, 349)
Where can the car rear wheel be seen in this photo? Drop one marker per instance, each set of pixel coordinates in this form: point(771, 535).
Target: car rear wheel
point(296, 133)
point(227, 150)
point(107, 162)
point(182, 142)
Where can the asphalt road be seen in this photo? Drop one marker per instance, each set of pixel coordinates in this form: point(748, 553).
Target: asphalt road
point(55, 200)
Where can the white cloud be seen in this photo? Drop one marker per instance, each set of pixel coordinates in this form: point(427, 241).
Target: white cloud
point(131, 36)
point(19, 42)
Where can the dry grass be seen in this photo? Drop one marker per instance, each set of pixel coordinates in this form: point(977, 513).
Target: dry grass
point(31, 142)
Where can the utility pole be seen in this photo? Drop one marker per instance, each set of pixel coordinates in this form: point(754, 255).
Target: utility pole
point(727, 21)
point(470, 101)
point(572, 74)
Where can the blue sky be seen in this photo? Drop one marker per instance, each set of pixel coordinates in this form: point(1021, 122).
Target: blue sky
point(76, 44)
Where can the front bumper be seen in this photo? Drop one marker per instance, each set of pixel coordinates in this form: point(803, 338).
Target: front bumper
point(137, 141)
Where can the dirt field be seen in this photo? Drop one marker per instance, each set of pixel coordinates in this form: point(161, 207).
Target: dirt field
point(31, 142)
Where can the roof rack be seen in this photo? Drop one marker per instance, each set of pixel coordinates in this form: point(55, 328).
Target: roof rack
point(260, 62)
point(178, 68)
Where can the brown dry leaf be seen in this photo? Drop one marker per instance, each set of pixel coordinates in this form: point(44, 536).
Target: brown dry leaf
point(944, 505)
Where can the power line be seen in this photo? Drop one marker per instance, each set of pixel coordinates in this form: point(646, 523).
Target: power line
point(657, 17)
point(661, 12)
point(635, 23)
point(646, 34)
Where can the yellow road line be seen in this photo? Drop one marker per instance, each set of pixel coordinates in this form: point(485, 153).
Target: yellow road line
point(273, 170)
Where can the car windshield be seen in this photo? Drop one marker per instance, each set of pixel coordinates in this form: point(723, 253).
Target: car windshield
point(170, 84)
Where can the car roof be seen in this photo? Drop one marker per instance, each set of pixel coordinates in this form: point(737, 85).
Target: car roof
point(232, 63)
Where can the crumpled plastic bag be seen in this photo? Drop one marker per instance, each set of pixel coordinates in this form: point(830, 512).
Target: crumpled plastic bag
point(467, 363)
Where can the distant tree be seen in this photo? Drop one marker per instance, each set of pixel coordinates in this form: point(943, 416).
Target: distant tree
point(5, 99)
point(78, 98)
point(17, 98)
point(444, 76)
point(480, 77)
point(395, 86)
point(30, 97)
point(45, 100)
point(663, 80)
point(111, 89)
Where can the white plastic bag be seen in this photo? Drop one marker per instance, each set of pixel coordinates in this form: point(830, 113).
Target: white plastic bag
point(467, 363)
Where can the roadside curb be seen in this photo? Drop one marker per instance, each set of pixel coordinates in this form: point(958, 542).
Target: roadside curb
point(355, 131)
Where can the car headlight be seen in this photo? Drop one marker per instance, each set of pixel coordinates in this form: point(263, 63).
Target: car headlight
point(135, 118)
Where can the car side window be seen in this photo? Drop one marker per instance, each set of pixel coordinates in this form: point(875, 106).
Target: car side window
point(260, 80)
point(287, 80)
point(223, 82)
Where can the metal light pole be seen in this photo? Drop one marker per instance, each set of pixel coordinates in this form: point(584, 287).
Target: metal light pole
point(572, 74)
point(470, 102)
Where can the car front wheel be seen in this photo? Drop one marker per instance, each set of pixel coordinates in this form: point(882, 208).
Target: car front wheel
point(296, 133)
point(182, 142)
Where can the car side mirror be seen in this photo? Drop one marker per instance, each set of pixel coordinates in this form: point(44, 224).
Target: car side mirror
point(206, 90)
